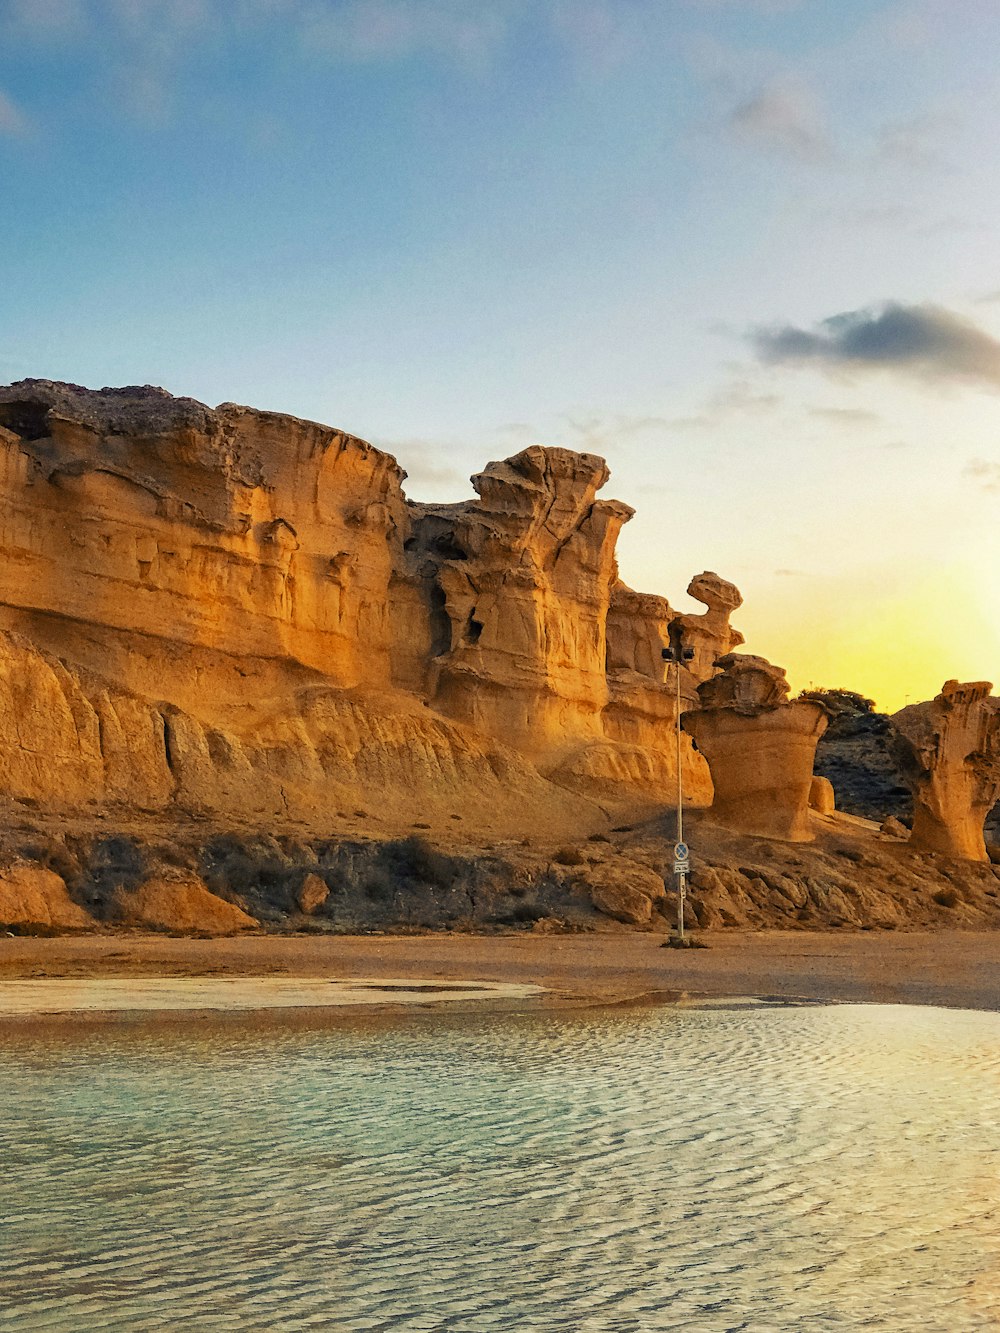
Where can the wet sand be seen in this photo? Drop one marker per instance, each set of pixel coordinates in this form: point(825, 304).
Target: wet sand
point(957, 969)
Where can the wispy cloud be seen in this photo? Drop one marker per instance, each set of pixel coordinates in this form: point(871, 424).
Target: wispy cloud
point(600, 34)
point(740, 396)
point(426, 462)
point(362, 31)
point(770, 8)
point(140, 49)
point(986, 473)
point(846, 416)
point(42, 20)
point(924, 341)
point(783, 118)
point(14, 124)
point(916, 145)
point(600, 432)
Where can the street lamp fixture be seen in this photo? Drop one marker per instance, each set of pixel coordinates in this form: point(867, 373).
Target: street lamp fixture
point(678, 654)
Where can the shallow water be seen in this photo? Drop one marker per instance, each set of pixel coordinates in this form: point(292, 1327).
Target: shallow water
point(621, 1171)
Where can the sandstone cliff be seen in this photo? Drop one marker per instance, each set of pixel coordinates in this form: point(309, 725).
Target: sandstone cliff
point(237, 614)
point(240, 670)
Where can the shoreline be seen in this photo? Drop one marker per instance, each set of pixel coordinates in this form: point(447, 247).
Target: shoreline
point(950, 969)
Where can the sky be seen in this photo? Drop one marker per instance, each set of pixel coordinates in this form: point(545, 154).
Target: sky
point(746, 250)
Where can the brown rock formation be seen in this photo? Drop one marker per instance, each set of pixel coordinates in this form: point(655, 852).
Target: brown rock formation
point(821, 796)
point(32, 896)
point(623, 890)
point(760, 748)
point(526, 586)
point(949, 752)
point(232, 612)
point(179, 903)
point(312, 895)
point(642, 708)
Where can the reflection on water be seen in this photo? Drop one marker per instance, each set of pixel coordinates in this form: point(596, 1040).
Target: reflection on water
point(763, 1169)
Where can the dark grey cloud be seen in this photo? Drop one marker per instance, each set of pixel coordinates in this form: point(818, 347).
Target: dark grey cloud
point(925, 341)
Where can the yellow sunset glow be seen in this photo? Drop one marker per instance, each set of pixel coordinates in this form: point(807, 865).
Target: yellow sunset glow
point(941, 625)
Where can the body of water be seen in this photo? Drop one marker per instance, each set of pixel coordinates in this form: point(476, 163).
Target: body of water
point(617, 1171)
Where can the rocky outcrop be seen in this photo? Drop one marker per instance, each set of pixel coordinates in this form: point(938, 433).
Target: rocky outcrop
point(226, 611)
point(760, 748)
point(179, 903)
point(949, 750)
point(32, 896)
point(641, 713)
point(850, 876)
point(623, 890)
point(525, 579)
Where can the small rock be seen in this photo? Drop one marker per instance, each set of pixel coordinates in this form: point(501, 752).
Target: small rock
point(821, 796)
point(312, 894)
point(625, 891)
point(892, 828)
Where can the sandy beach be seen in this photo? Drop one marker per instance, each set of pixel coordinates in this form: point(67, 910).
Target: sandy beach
point(957, 969)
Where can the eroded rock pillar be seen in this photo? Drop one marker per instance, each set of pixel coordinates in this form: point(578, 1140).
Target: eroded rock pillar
point(949, 752)
point(760, 748)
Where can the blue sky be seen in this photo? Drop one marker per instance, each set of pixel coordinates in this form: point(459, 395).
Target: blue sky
point(634, 228)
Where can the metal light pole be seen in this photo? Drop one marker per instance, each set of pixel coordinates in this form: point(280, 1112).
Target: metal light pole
point(678, 654)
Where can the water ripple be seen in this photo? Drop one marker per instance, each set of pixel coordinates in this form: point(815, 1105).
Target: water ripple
point(713, 1170)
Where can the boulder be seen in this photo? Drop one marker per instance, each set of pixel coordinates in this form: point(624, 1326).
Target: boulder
point(31, 896)
point(821, 796)
point(179, 903)
point(312, 894)
point(894, 828)
point(623, 890)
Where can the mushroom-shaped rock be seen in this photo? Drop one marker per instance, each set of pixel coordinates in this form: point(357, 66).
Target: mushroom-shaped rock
point(710, 634)
point(715, 593)
point(760, 748)
point(949, 751)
